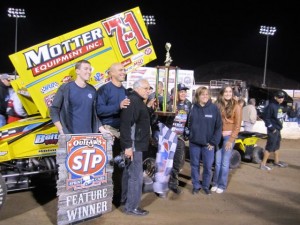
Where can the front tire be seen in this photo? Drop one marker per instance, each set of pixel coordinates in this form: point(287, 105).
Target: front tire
point(235, 159)
point(3, 191)
point(257, 155)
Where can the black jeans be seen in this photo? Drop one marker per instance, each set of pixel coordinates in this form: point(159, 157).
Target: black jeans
point(177, 164)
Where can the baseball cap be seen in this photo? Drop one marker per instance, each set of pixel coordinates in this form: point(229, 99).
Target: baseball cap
point(5, 76)
point(279, 94)
point(181, 87)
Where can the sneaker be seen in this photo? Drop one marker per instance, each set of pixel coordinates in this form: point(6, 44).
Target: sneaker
point(280, 164)
point(263, 167)
point(219, 190)
point(163, 195)
point(214, 188)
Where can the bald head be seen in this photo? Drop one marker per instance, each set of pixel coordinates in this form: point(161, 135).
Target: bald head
point(117, 73)
point(252, 101)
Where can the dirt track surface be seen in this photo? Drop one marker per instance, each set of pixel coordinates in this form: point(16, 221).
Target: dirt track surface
point(253, 197)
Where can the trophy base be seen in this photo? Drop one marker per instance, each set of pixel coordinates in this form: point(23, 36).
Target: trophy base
point(161, 113)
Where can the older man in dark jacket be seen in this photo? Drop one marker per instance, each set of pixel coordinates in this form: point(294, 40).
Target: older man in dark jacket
point(135, 136)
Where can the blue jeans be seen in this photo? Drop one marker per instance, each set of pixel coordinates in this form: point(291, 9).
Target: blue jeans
point(132, 182)
point(2, 120)
point(196, 153)
point(222, 163)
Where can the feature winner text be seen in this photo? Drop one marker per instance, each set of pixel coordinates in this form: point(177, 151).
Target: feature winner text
point(86, 204)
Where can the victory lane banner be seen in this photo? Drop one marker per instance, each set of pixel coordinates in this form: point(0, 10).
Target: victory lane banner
point(84, 186)
point(44, 67)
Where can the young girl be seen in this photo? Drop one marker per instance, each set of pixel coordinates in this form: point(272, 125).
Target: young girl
point(231, 113)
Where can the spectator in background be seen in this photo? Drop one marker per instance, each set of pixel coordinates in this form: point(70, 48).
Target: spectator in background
point(160, 93)
point(4, 97)
point(236, 94)
point(249, 116)
point(292, 114)
point(298, 113)
point(273, 117)
point(15, 109)
point(151, 90)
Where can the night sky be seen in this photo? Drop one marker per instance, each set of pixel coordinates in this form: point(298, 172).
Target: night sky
point(200, 31)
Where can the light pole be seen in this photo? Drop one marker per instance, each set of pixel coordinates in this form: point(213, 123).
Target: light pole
point(18, 14)
point(266, 30)
point(149, 20)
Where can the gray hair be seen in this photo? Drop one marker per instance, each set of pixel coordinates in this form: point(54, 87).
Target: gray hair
point(138, 83)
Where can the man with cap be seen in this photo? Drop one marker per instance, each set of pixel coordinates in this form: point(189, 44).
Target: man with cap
point(176, 124)
point(273, 117)
point(4, 97)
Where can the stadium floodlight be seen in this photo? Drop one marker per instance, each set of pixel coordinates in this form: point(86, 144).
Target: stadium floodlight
point(17, 14)
point(268, 31)
point(149, 20)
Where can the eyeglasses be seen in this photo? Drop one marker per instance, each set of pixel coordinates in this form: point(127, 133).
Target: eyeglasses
point(146, 88)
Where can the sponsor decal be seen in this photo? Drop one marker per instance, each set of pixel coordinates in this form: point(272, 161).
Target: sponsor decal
point(49, 99)
point(86, 161)
point(46, 139)
point(49, 87)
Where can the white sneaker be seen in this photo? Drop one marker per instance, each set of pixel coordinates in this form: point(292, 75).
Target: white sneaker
point(219, 190)
point(263, 167)
point(214, 188)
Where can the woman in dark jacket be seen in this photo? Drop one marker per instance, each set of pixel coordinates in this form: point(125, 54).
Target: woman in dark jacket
point(205, 125)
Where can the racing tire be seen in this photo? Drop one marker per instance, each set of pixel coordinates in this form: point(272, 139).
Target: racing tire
point(149, 171)
point(235, 159)
point(3, 191)
point(257, 155)
point(149, 166)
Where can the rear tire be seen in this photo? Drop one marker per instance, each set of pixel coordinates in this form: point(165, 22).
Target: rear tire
point(3, 191)
point(235, 159)
point(257, 155)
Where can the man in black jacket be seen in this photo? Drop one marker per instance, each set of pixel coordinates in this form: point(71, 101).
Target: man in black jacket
point(273, 117)
point(135, 136)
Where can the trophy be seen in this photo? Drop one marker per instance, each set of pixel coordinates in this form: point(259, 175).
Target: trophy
point(168, 60)
point(167, 102)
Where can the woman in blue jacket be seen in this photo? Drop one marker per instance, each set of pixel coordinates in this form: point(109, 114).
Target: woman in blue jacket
point(205, 126)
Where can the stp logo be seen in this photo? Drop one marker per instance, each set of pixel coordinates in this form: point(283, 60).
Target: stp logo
point(85, 160)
